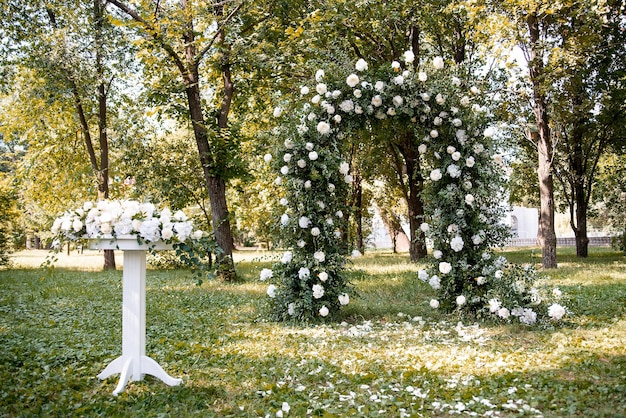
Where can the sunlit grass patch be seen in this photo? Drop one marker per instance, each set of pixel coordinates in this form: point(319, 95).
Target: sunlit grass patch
point(389, 354)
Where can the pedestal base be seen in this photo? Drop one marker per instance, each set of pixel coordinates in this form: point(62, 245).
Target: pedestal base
point(133, 363)
point(133, 369)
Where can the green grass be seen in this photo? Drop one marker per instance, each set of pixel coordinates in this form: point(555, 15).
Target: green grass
point(389, 355)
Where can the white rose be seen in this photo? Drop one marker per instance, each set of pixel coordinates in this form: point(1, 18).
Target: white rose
point(313, 156)
point(437, 254)
point(460, 300)
point(377, 101)
point(438, 63)
point(361, 65)
point(445, 267)
point(352, 80)
point(323, 128)
point(271, 291)
point(409, 56)
point(267, 158)
point(435, 175)
point(323, 311)
point(434, 303)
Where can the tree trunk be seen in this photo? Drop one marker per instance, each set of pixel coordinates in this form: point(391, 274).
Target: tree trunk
point(546, 234)
point(358, 212)
point(103, 173)
point(215, 185)
point(413, 195)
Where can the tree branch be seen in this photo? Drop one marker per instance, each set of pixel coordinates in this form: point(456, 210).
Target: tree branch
point(153, 32)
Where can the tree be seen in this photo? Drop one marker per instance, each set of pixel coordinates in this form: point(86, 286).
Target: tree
point(571, 51)
point(588, 76)
point(165, 26)
point(70, 46)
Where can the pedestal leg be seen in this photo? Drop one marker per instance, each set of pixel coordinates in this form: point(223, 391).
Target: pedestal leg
point(133, 363)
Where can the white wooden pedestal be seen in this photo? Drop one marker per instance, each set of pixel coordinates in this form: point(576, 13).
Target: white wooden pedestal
point(133, 363)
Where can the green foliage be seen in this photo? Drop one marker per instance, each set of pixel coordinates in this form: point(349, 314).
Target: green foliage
point(8, 216)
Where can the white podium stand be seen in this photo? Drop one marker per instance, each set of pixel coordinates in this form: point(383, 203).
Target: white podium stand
point(133, 363)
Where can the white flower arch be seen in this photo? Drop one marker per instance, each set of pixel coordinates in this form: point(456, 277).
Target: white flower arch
point(461, 196)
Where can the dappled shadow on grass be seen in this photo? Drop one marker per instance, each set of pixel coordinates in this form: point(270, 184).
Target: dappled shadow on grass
point(58, 330)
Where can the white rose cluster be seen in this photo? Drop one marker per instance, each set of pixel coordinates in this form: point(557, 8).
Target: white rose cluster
point(122, 218)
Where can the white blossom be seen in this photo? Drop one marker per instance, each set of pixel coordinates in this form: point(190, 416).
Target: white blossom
point(319, 256)
point(304, 222)
point(434, 303)
point(318, 291)
point(323, 128)
point(457, 243)
point(454, 171)
point(266, 274)
point(271, 291)
point(344, 299)
point(323, 311)
point(304, 273)
point(503, 313)
point(556, 311)
point(435, 175)
point(494, 305)
point(361, 65)
point(438, 63)
point(434, 282)
point(409, 56)
point(445, 267)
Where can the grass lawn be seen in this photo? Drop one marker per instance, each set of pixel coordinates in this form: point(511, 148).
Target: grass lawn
point(390, 355)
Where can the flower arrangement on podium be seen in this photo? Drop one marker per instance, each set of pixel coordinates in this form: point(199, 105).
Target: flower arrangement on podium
point(117, 220)
point(109, 219)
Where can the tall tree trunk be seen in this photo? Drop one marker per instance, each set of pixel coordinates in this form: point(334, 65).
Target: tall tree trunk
point(546, 234)
point(579, 198)
point(358, 212)
point(417, 246)
point(103, 173)
point(215, 185)
point(412, 193)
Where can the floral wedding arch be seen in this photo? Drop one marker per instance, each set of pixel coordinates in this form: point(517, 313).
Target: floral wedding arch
point(462, 192)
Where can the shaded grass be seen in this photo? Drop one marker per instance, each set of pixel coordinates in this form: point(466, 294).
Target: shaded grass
point(387, 355)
